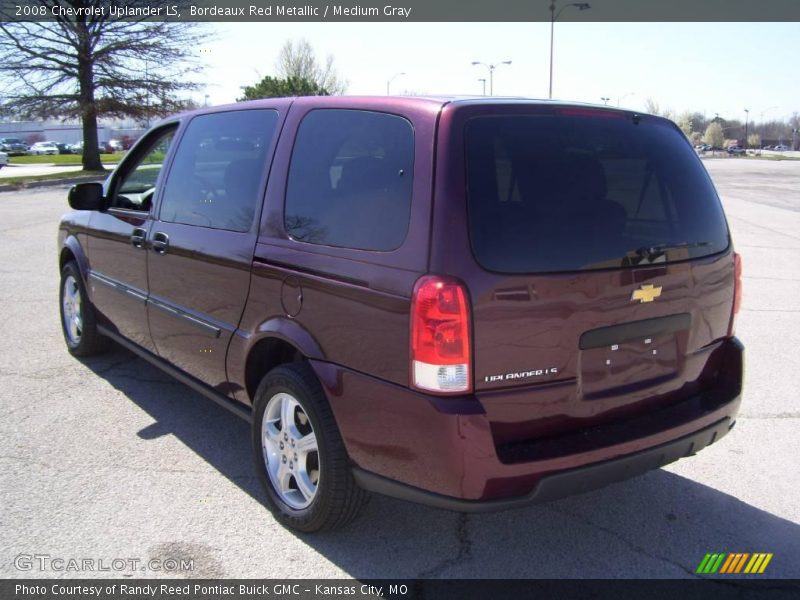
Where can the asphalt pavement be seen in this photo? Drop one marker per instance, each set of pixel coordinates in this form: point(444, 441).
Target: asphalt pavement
point(111, 459)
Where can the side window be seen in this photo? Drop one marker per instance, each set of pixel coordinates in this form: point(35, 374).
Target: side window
point(214, 179)
point(350, 180)
point(137, 186)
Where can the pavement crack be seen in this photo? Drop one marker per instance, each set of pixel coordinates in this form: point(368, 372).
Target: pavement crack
point(633, 546)
point(464, 552)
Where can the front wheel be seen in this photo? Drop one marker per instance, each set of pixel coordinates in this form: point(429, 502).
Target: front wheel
point(78, 321)
point(299, 454)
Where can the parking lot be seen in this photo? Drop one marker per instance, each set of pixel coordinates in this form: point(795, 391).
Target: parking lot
point(109, 458)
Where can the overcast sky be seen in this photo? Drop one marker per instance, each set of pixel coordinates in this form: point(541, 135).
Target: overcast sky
point(709, 67)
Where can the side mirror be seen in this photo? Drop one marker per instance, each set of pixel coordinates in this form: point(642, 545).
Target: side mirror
point(87, 196)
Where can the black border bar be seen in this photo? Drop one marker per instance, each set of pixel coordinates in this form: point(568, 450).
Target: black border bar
point(717, 588)
point(266, 11)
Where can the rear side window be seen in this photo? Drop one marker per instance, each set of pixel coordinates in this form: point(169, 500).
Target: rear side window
point(568, 193)
point(214, 179)
point(350, 180)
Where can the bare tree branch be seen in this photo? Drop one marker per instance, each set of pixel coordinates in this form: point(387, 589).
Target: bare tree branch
point(92, 66)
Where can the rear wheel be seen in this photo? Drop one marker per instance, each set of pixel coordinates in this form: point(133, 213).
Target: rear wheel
point(78, 321)
point(299, 453)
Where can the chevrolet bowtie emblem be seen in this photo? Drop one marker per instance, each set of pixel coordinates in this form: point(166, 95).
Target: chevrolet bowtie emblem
point(646, 293)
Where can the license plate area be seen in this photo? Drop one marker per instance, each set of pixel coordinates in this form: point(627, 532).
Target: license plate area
point(621, 359)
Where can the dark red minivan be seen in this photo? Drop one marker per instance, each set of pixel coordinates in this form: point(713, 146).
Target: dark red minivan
point(474, 304)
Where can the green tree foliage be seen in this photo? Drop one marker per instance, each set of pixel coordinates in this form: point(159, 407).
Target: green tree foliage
point(714, 135)
point(273, 87)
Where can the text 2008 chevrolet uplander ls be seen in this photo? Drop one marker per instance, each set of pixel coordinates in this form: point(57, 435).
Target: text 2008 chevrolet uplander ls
point(473, 304)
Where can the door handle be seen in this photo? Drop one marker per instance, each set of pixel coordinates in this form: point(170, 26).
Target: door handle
point(160, 242)
point(138, 236)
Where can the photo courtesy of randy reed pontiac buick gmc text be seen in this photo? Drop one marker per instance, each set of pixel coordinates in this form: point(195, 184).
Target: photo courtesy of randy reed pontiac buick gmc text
point(474, 304)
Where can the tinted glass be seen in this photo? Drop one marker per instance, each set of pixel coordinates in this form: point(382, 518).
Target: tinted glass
point(138, 184)
point(350, 180)
point(564, 193)
point(214, 179)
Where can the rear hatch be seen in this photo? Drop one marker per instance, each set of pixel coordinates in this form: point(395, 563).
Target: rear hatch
point(604, 270)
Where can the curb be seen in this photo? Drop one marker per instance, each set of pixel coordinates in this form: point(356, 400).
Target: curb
point(14, 187)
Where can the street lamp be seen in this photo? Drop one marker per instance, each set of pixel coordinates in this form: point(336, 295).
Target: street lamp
point(483, 81)
point(491, 72)
point(605, 99)
point(391, 79)
point(746, 122)
point(553, 18)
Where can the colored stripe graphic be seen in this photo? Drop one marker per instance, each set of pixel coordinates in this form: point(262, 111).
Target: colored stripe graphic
point(729, 562)
point(704, 563)
point(765, 563)
point(734, 562)
point(741, 562)
point(711, 563)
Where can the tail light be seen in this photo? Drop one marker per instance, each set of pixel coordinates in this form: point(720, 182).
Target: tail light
point(440, 336)
point(737, 291)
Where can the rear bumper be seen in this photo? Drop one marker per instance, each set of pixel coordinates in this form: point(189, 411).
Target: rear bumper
point(560, 484)
point(442, 452)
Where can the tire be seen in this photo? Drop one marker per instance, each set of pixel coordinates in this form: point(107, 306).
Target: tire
point(78, 320)
point(317, 491)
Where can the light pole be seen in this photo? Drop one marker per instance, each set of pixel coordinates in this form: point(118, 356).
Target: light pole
point(483, 81)
point(605, 99)
point(391, 79)
point(746, 123)
point(491, 72)
point(553, 18)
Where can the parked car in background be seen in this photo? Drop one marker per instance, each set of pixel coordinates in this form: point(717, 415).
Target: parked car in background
point(469, 303)
point(3, 159)
point(43, 148)
point(734, 149)
point(13, 146)
point(781, 148)
point(64, 148)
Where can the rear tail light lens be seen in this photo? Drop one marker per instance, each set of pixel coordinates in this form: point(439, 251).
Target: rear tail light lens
point(737, 291)
point(440, 336)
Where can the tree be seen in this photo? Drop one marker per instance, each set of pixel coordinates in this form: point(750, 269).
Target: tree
point(92, 66)
point(754, 140)
point(298, 60)
point(272, 87)
point(651, 106)
point(685, 123)
point(714, 135)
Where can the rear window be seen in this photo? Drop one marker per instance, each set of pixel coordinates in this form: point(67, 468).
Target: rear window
point(569, 193)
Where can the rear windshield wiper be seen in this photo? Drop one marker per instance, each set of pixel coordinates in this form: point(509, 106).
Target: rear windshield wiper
point(651, 252)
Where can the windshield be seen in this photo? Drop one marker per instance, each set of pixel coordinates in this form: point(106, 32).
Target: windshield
point(590, 190)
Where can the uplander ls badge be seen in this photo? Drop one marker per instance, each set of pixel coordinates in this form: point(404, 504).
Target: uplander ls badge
point(521, 375)
point(646, 293)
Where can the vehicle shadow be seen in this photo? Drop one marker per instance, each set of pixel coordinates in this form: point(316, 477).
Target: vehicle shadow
point(659, 525)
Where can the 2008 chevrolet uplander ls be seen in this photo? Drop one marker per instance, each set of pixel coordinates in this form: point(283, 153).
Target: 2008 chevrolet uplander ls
point(469, 303)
